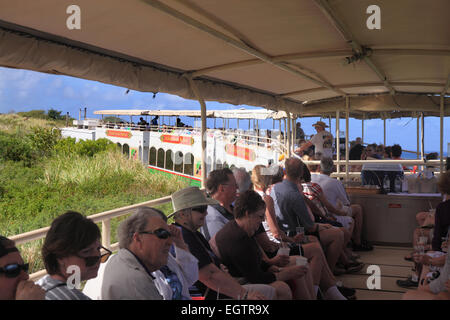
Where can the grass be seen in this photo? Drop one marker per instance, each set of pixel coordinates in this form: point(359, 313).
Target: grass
point(31, 196)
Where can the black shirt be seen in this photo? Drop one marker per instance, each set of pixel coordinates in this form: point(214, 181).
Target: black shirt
point(441, 224)
point(200, 248)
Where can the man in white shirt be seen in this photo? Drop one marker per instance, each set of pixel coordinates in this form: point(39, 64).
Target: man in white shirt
point(335, 193)
point(322, 141)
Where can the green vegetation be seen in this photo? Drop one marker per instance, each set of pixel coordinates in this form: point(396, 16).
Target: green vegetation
point(43, 175)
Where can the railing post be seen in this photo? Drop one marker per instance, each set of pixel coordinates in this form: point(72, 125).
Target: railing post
point(106, 233)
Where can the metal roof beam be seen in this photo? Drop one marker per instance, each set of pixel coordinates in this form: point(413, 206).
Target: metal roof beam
point(235, 43)
point(363, 85)
point(325, 7)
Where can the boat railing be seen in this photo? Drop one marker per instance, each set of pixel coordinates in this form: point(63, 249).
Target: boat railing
point(238, 135)
point(104, 218)
point(433, 165)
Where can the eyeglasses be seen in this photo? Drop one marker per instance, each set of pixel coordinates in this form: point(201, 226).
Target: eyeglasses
point(92, 260)
point(13, 270)
point(233, 185)
point(160, 233)
point(201, 209)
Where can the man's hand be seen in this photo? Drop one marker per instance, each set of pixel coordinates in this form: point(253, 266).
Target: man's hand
point(298, 238)
point(324, 226)
point(177, 237)
point(27, 290)
point(292, 272)
point(255, 295)
point(280, 260)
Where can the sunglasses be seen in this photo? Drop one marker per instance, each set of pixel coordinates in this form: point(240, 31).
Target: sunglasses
point(93, 260)
point(201, 209)
point(160, 233)
point(13, 270)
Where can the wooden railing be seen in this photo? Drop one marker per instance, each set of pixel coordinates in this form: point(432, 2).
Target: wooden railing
point(103, 217)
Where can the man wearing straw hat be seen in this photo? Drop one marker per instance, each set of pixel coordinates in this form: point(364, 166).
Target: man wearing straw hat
point(322, 141)
point(190, 209)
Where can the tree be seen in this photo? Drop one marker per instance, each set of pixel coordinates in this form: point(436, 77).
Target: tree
point(54, 114)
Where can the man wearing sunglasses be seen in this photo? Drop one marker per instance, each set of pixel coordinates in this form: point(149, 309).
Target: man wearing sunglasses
point(143, 266)
point(14, 283)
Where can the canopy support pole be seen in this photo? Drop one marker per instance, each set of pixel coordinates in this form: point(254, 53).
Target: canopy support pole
point(418, 136)
point(422, 137)
point(384, 131)
point(294, 131)
point(203, 113)
point(289, 135)
point(338, 143)
point(347, 114)
point(362, 129)
point(441, 150)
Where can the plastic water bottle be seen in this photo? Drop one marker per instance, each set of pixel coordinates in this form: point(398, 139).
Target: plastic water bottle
point(404, 185)
point(386, 184)
point(398, 184)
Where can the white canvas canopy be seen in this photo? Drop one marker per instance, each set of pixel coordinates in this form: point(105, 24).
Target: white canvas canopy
point(281, 55)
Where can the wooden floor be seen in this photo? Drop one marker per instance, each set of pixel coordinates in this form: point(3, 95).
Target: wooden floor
point(392, 266)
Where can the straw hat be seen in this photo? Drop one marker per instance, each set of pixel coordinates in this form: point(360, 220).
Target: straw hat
point(189, 198)
point(320, 124)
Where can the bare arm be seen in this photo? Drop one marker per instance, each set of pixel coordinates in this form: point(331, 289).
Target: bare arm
point(222, 282)
point(304, 146)
point(272, 220)
point(330, 207)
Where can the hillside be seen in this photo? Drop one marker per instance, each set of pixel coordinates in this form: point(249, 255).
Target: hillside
point(42, 176)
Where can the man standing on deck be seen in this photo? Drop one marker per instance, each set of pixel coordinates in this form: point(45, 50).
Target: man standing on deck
point(322, 141)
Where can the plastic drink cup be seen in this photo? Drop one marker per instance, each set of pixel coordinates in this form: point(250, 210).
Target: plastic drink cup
point(283, 251)
point(301, 261)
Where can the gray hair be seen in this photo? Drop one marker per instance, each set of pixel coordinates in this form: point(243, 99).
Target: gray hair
point(243, 179)
point(326, 165)
point(136, 223)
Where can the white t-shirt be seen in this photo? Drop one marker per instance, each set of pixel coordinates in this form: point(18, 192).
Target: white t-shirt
point(333, 189)
point(323, 143)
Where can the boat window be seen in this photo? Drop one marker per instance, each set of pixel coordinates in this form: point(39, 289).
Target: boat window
point(126, 150)
point(160, 159)
point(189, 164)
point(178, 162)
point(152, 156)
point(169, 160)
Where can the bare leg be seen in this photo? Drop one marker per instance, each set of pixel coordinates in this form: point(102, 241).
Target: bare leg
point(282, 289)
point(304, 289)
point(420, 217)
point(333, 241)
point(358, 217)
point(320, 272)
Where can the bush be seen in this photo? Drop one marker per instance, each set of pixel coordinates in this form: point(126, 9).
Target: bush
point(12, 148)
point(55, 115)
point(38, 114)
point(83, 147)
point(43, 140)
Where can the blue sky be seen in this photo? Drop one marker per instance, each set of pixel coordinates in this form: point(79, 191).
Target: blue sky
point(23, 90)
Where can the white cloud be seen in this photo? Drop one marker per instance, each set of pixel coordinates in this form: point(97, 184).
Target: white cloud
point(69, 93)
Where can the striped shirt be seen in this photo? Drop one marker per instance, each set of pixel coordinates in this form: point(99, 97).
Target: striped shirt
point(58, 290)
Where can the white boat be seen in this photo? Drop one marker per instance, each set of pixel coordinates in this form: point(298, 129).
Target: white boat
point(355, 58)
point(177, 150)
